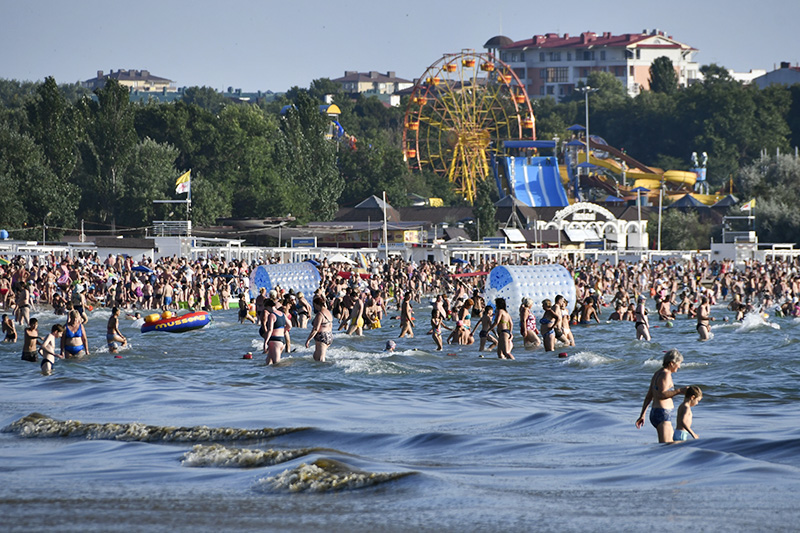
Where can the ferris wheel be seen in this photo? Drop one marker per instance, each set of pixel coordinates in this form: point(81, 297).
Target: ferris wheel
point(460, 111)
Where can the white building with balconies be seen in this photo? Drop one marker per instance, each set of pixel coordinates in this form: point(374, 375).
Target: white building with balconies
point(554, 65)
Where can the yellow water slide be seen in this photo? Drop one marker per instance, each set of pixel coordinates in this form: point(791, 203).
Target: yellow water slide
point(651, 180)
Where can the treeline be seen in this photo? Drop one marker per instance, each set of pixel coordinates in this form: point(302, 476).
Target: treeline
point(67, 155)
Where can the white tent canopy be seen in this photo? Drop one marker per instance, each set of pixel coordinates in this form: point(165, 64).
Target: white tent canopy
point(340, 258)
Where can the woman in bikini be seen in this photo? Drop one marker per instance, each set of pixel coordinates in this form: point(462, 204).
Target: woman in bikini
point(565, 333)
point(321, 329)
point(302, 310)
point(703, 319)
point(275, 330)
point(527, 324)
point(640, 317)
point(74, 342)
point(504, 326)
point(549, 322)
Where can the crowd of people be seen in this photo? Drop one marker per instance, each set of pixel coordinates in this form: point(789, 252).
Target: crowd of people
point(355, 300)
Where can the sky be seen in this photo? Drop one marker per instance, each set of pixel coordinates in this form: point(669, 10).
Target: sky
point(274, 45)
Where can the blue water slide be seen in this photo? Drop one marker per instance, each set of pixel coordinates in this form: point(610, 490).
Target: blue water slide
point(536, 181)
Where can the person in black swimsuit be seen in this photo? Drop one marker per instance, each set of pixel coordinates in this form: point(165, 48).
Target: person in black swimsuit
point(321, 329)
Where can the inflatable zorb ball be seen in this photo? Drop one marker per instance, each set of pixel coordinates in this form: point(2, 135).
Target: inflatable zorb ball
point(301, 277)
point(537, 282)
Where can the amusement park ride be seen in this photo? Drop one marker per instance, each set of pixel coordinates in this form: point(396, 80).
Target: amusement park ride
point(469, 118)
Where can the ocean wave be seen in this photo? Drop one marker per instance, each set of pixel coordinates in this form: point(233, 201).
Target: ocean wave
point(578, 421)
point(587, 360)
point(36, 425)
point(754, 321)
point(327, 475)
point(217, 455)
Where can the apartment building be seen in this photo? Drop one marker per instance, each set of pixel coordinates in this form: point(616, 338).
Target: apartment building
point(134, 80)
point(372, 82)
point(553, 65)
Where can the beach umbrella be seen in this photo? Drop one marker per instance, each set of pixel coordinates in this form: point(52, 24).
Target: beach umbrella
point(576, 142)
point(640, 189)
point(586, 165)
point(142, 268)
point(459, 261)
point(576, 127)
point(613, 199)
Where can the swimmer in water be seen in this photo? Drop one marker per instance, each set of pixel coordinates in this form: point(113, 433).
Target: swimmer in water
point(703, 318)
point(504, 326)
point(683, 422)
point(113, 335)
point(640, 318)
point(486, 325)
point(48, 349)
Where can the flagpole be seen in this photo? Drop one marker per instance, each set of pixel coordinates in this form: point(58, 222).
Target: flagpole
point(385, 232)
point(189, 209)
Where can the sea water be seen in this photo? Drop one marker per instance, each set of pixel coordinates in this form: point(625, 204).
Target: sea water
point(181, 433)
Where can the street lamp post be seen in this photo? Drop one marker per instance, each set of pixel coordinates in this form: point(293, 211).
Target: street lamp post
point(44, 227)
point(586, 90)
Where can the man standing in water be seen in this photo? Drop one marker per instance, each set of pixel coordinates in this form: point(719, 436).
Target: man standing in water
point(661, 392)
point(406, 317)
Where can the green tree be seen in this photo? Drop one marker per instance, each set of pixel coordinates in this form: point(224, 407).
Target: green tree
point(307, 160)
point(107, 152)
point(371, 169)
point(30, 189)
point(714, 73)
point(321, 87)
point(53, 124)
point(679, 230)
point(484, 209)
point(248, 137)
point(206, 98)
point(663, 78)
point(775, 184)
point(150, 176)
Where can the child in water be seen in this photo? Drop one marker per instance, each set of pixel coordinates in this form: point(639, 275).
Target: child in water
point(683, 426)
point(9, 330)
point(49, 349)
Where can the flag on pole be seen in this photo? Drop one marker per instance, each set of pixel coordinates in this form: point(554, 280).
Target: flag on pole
point(184, 182)
point(749, 206)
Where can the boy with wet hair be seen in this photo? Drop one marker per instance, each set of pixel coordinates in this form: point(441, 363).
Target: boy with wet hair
point(49, 349)
point(683, 425)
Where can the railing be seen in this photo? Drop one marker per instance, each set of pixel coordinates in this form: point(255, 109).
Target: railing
point(172, 228)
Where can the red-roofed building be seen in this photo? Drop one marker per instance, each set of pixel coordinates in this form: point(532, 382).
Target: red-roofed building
point(553, 65)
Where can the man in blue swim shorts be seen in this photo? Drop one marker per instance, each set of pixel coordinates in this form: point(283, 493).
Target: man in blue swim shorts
point(661, 392)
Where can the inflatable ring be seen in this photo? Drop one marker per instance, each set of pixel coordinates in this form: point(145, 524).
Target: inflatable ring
point(177, 324)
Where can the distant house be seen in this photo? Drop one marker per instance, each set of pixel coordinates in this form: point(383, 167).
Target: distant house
point(746, 78)
point(134, 80)
point(553, 65)
point(374, 83)
point(786, 75)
